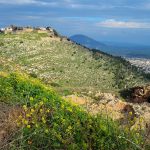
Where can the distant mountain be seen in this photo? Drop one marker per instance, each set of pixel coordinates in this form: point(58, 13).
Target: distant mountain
point(87, 41)
point(118, 49)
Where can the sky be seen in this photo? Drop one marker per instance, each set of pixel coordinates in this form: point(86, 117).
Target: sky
point(125, 21)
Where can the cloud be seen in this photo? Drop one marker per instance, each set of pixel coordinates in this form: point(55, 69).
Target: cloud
point(61, 3)
point(27, 2)
point(111, 23)
point(145, 6)
point(17, 2)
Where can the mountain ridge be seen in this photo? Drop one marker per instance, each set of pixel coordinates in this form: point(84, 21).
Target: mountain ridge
point(123, 49)
point(83, 39)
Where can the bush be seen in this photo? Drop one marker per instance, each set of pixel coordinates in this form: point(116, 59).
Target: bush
point(34, 75)
point(55, 84)
point(1, 44)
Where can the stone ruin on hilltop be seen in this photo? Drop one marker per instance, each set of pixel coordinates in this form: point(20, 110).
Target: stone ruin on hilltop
point(12, 29)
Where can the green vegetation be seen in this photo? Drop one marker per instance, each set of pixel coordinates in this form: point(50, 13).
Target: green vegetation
point(69, 65)
point(49, 122)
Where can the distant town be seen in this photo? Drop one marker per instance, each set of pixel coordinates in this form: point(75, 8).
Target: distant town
point(142, 63)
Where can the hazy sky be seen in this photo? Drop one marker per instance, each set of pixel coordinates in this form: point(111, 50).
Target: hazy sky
point(104, 20)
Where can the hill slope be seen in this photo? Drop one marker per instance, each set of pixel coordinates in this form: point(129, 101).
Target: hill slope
point(67, 65)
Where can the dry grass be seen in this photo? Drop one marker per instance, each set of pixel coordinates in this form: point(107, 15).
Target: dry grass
point(8, 126)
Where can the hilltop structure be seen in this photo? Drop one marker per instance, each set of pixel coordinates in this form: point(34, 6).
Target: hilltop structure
point(12, 29)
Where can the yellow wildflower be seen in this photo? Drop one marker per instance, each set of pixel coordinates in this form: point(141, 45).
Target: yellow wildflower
point(46, 131)
point(36, 125)
point(28, 115)
point(31, 99)
point(25, 107)
point(43, 119)
point(32, 110)
point(25, 122)
point(141, 120)
point(20, 117)
point(28, 126)
point(41, 103)
point(48, 110)
point(130, 113)
point(69, 109)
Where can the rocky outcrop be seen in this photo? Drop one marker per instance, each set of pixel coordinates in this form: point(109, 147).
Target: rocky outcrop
point(125, 113)
point(106, 103)
point(140, 94)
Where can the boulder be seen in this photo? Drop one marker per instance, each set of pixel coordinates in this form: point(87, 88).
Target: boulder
point(140, 94)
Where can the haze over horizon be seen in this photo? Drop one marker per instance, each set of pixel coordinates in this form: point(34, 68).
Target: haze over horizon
point(124, 21)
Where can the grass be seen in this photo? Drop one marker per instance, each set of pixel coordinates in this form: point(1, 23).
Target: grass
point(49, 122)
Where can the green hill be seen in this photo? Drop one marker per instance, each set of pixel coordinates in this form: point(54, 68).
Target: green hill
point(67, 65)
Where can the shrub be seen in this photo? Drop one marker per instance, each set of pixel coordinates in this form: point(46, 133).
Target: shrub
point(55, 84)
point(34, 75)
point(1, 44)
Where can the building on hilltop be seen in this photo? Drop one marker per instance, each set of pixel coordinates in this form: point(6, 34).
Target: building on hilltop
point(12, 29)
point(28, 29)
point(41, 30)
point(8, 30)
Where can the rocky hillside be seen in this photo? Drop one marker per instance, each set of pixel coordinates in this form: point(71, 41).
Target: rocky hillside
point(64, 64)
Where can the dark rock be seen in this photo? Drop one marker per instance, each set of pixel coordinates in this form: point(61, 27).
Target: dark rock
point(140, 94)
